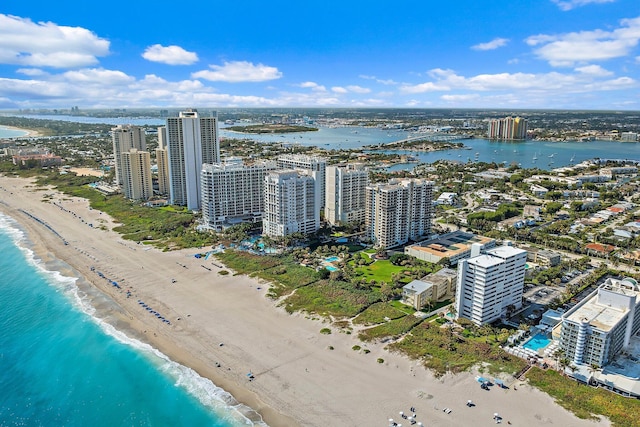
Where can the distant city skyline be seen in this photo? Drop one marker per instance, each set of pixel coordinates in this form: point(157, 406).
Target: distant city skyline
point(569, 54)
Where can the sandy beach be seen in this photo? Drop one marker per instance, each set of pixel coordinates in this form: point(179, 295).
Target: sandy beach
point(30, 133)
point(298, 381)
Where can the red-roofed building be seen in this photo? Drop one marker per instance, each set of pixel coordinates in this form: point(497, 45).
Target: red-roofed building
point(599, 249)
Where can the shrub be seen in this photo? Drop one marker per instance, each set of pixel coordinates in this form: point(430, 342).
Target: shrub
point(330, 347)
point(356, 348)
point(223, 272)
point(380, 360)
point(325, 331)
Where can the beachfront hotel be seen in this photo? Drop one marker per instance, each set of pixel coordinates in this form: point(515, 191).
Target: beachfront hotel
point(345, 194)
point(602, 325)
point(317, 165)
point(124, 138)
point(137, 183)
point(509, 128)
point(290, 203)
point(490, 282)
point(233, 192)
point(192, 141)
point(398, 211)
point(162, 161)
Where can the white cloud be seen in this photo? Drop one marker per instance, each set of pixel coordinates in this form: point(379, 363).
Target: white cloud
point(171, 55)
point(350, 88)
point(31, 71)
point(238, 71)
point(313, 86)
point(586, 79)
point(387, 82)
point(460, 98)
point(493, 44)
point(586, 46)
point(594, 70)
point(572, 4)
point(98, 76)
point(358, 89)
point(45, 44)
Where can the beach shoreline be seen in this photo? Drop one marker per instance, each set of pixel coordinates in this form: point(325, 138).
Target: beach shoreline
point(30, 132)
point(224, 327)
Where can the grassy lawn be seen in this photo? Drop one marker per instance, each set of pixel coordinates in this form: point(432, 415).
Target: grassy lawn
point(402, 307)
point(585, 401)
point(443, 350)
point(380, 271)
point(392, 329)
point(331, 298)
point(287, 277)
point(246, 263)
point(376, 313)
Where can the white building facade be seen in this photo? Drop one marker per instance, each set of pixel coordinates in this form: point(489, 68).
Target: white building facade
point(601, 325)
point(290, 204)
point(124, 138)
point(233, 193)
point(191, 142)
point(162, 161)
point(137, 183)
point(317, 165)
point(489, 283)
point(398, 211)
point(345, 197)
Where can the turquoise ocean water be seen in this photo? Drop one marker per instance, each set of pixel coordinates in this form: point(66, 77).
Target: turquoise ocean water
point(61, 366)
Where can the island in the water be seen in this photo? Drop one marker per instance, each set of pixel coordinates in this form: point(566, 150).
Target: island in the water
point(271, 128)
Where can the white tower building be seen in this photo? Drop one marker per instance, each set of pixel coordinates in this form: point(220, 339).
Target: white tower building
point(345, 197)
point(309, 163)
point(191, 142)
point(398, 211)
point(489, 283)
point(162, 161)
point(290, 203)
point(233, 192)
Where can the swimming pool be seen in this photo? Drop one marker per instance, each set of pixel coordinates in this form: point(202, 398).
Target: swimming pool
point(537, 342)
point(331, 268)
point(332, 259)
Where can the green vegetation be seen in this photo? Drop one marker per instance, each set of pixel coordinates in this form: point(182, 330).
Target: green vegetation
point(505, 211)
point(325, 331)
point(392, 329)
point(271, 128)
point(380, 360)
point(585, 401)
point(356, 348)
point(377, 313)
point(330, 298)
point(443, 348)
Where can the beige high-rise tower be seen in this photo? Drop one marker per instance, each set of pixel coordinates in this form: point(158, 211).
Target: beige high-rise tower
point(136, 175)
point(162, 161)
point(126, 137)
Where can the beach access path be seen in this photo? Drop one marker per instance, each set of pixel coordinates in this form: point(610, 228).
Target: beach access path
point(298, 380)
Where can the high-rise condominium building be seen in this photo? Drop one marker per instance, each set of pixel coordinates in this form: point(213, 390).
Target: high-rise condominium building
point(290, 203)
point(398, 211)
point(126, 137)
point(233, 192)
point(136, 175)
point(191, 142)
point(489, 283)
point(510, 128)
point(162, 161)
point(345, 194)
point(309, 163)
point(600, 326)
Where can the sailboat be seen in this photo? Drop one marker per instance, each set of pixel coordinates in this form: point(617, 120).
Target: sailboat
point(572, 158)
point(535, 156)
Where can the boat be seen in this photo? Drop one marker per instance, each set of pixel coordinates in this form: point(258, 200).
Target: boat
point(572, 158)
point(535, 156)
point(551, 155)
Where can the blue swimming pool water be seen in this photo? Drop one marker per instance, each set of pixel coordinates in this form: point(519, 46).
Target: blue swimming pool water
point(331, 268)
point(332, 259)
point(537, 342)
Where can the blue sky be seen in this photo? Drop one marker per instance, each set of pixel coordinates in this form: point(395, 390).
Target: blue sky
point(567, 54)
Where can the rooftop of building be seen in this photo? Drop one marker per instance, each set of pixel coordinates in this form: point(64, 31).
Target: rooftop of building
point(600, 312)
point(451, 244)
point(505, 251)
point(417, 286)
point(485, 261)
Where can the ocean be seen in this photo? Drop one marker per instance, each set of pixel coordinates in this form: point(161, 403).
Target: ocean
point(60, 365)
point(11, 133)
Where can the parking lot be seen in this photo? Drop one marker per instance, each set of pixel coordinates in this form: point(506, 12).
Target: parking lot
point(542, 295)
